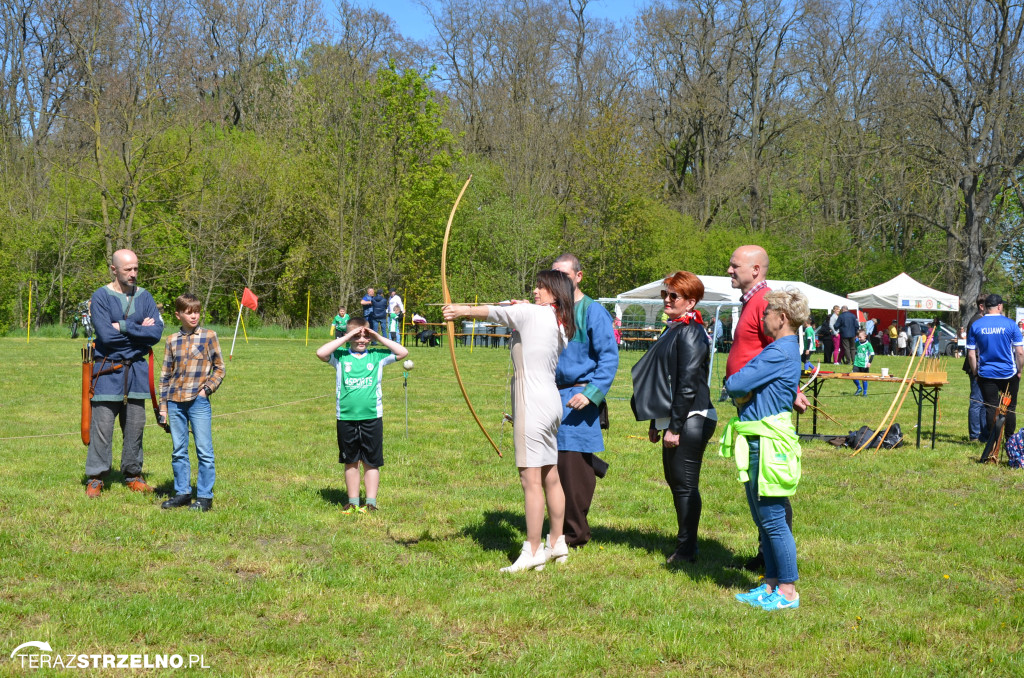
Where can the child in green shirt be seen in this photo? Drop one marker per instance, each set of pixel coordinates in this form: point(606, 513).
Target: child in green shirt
point(360, 410)
point(862, 361)
point(809, 340)
point(340, 322)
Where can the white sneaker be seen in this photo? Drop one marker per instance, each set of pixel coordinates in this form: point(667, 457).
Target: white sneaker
point(559, 552)
point(528, 560)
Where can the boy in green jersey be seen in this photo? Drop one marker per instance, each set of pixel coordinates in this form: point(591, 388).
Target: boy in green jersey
point(862, 361)
point(809, 341)
point(360, 411)
point(339, 322)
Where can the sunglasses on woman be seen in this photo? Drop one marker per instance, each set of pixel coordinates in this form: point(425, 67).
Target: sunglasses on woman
point(665, 294)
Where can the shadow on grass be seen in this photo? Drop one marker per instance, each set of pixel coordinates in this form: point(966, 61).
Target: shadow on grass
point(714, 560)
point(501, 530)
point(166, 489)
point(334, 496)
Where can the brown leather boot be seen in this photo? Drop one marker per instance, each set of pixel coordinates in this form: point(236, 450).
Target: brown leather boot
point(137, 484)
point(93, 488)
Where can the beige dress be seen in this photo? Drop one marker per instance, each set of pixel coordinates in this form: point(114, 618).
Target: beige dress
point(537, 341)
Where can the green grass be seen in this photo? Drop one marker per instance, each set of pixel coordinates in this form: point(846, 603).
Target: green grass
point(910, 560)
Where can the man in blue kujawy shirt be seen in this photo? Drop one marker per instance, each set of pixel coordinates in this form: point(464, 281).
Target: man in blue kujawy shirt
point(995, 352)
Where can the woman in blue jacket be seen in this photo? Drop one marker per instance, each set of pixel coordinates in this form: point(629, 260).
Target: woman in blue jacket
point(766, 447)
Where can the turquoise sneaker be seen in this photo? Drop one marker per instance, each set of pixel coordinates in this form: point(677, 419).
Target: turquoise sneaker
point(776, 602)
point(754, 596)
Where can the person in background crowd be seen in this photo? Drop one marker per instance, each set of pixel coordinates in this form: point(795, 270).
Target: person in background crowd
point(396, 309)
point(915, 338)
point(339, 322)
point(862, 362)
point(834, 331)
point(379, 314)
point(977, 422)
point(848, 328)
point(367, 303)
point(808, 340)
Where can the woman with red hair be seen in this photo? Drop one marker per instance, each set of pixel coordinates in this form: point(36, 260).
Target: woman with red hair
point(670, 388)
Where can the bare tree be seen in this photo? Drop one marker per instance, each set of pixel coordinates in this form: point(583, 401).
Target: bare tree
point(967, 62)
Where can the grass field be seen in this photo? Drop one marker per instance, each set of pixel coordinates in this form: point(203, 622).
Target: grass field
point(910, 560)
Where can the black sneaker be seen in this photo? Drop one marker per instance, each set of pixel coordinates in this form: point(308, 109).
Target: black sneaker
point(201, 504)
point(755, 564)
point(177, 501)
point(680, 557)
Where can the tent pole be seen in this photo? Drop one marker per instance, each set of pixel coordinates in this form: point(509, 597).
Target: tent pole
point(714, 326)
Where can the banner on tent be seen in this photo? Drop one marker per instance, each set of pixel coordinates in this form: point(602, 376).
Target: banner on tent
point(923, 304)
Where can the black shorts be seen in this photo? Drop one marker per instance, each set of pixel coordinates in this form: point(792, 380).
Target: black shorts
point(861, 369)
point(361, 441)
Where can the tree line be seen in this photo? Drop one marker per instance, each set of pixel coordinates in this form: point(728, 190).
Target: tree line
point(291, 149)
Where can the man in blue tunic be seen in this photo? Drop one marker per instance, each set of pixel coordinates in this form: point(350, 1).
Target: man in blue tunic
point(584, 374)
point(127, 324)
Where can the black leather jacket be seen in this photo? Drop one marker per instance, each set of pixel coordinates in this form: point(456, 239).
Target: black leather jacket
point(671, 379)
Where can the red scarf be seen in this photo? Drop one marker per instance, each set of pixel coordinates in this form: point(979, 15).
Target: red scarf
point(687, 317)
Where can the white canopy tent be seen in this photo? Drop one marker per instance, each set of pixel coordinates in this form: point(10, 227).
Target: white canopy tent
point(718, 291)
point(903, 293)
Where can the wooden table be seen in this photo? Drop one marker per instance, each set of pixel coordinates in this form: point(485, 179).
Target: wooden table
point(492, 339)
point(924, 391)
point(636, 337)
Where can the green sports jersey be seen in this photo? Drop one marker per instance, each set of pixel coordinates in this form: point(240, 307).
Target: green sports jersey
point(357, 385)
point(809, 339)
point(340, 321)
point(863, 355)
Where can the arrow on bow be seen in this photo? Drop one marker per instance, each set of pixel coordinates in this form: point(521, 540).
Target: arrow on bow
point(450, 323)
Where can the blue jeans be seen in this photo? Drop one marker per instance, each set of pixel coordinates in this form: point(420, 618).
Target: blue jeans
point(977, 422)
point(769, 514)
point(197, 413)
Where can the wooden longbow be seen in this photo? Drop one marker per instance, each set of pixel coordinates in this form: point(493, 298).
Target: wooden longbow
point(451, 323)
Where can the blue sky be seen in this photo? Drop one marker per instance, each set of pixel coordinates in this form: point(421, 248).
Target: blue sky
point(413, 22)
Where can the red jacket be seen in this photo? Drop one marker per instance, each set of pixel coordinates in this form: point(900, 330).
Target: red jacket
point(749, 337)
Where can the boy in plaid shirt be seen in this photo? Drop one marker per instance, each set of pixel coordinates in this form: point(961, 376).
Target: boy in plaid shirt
point(193, 369)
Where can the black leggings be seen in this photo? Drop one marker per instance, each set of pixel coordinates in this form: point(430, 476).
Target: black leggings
point(682, 473)
point(991, 390)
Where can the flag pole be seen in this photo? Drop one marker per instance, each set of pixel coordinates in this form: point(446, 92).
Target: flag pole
point(244, 334)
point(307, 317)
point(401, 337)
point(232, 353)
point(28, 320)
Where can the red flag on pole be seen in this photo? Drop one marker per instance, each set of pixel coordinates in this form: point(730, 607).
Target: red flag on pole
point(249, 300)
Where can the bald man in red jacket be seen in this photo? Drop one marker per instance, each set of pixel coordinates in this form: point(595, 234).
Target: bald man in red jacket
point(748, 269)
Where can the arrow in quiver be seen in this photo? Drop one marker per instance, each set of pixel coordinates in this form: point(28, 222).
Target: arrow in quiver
point(87, 355)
